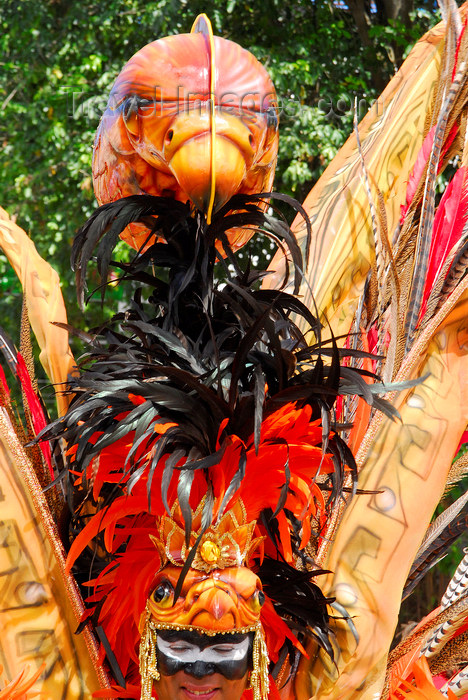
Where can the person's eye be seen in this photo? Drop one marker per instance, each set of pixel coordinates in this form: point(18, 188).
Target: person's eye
point(180, 648)
point(223, 650)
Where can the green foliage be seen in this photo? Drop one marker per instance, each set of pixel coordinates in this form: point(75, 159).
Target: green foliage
point(59, 60)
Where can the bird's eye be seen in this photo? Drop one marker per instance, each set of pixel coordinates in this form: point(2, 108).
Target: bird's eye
point(257, 600)
point(130, 115)
point(144, 104)
point(134, 107)
point(162, 594)
point(271, 118)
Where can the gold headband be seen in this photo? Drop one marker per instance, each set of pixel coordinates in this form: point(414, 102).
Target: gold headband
point(229, 542)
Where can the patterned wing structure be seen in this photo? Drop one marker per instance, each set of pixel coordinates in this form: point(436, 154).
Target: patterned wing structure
point(44, 301)
point(391, 134)
point(406, 464)
point(40, 606)
point(375, 272)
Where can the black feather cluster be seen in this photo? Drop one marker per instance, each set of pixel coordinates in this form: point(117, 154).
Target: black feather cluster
point(297, 599)
point(196, 351)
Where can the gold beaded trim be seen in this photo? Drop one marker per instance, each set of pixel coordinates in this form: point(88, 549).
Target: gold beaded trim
point(149, 672)
point(148, 660)
point(259, 681)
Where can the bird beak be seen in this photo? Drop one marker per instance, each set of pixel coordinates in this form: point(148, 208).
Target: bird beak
point(203, 175)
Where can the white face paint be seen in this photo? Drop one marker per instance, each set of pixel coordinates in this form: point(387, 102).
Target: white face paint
point(187, 653)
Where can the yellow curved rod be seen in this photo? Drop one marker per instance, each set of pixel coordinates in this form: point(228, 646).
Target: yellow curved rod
point(203, 26)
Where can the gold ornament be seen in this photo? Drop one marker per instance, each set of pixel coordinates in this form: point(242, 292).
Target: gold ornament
point(228, 542)
point(148, 659)
point(259, 681)
point(210, 552)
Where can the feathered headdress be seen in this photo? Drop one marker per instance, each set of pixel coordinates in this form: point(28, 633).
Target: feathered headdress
point(202, 445)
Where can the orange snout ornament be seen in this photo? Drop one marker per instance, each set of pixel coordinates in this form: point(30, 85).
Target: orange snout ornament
point(193, 117)
point(223, 600)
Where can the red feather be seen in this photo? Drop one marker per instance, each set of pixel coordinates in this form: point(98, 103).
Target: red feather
point(288, 437)
point(449, 221)
point(37, 414)
point(3, 382)
point(457, 51)
point(420, 165)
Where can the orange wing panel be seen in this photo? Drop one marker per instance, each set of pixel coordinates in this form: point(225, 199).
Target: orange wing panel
point(40, 605)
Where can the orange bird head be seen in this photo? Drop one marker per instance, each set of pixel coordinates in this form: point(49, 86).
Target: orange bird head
point(219, 592)
point(223, 600)
point(191, 116)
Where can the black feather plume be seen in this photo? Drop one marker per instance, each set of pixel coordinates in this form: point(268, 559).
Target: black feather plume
point(197, 353)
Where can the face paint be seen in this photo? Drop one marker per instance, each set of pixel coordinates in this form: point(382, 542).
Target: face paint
point(201, 655)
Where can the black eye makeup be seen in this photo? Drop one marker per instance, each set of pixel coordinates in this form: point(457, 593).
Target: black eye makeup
point(201, 655)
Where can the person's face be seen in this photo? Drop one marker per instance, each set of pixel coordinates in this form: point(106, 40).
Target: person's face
point(199, 667)
point(183, 686)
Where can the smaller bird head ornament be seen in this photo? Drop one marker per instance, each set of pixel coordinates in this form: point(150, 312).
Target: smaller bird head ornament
point(193, 117)
point(219, 597)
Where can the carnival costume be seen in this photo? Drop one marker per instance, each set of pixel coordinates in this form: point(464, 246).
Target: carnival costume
point(204, 448)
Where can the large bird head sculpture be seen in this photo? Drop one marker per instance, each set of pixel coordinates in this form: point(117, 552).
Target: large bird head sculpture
point(193, 117)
